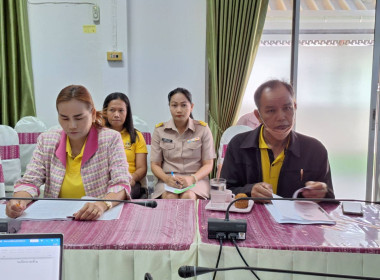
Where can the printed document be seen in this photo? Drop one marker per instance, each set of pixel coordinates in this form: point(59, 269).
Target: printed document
point(298, 212)
point(61, 210)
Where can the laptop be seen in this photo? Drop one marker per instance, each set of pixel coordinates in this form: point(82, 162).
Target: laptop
point(31, 256)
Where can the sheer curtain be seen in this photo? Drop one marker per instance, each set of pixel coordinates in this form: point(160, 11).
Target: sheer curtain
point(234, 29)
point(16, 77)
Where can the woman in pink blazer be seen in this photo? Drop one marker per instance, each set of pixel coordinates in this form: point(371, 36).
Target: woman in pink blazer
point(82, 159)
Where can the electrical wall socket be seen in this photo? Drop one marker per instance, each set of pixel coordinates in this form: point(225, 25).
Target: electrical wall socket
point(96, 13)
point(114, 56)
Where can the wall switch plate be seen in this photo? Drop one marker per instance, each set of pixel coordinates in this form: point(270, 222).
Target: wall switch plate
point(96, 13)
point(114, 56)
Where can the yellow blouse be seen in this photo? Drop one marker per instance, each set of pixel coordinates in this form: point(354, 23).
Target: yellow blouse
point(72, 186)
point(139, 147)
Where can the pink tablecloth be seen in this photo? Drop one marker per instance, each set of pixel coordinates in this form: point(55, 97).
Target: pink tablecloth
point(170, 226)
point(350, 234)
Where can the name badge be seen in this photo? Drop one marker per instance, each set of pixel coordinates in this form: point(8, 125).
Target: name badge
point(193, 140)
point(166, 140)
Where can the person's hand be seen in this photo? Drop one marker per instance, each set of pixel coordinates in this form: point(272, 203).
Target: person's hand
point(91, 211)
point(173, 182)
point(15, 208)
point(185, 181)
point(262, 189)
point(314, 190)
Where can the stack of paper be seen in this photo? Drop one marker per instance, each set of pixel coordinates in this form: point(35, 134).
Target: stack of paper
point(298, 212)
point(60, 210)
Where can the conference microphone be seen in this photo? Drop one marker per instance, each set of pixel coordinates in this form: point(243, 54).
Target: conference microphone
point(147, 276)
point(147, 203)
point(192, 271)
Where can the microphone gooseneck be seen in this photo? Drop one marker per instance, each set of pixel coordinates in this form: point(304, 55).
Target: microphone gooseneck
point(191, 271)
point(147, 203)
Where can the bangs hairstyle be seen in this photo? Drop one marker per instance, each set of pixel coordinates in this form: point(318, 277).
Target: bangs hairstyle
point(128, 123)
point(185, 92)
point(271, 84)
point(81, 94)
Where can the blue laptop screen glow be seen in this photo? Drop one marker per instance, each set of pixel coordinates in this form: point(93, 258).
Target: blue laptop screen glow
point(34, 257)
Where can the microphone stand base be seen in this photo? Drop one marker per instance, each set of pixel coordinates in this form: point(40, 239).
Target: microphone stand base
point(232, 229)
point(9, 225)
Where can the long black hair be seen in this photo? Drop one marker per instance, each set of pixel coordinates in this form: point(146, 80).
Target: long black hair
point(128, 123)
point(185, 92)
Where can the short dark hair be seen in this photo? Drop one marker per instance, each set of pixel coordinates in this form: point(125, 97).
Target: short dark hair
point(271, 84)
point(185, 92)
point(128, 123)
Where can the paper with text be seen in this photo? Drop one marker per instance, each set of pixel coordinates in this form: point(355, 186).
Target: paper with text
point(298, 212)
point(60, 210)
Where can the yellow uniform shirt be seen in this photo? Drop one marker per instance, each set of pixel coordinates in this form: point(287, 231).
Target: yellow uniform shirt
point(271, 171)
point(139, 147)
point(72, 186)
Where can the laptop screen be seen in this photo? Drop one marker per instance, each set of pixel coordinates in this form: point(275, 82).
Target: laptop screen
point(31, 256)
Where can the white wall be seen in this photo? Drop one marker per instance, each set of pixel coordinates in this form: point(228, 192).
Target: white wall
point(163, 43)
point(167, 43)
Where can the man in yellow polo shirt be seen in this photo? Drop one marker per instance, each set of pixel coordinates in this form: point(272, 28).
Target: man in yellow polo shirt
point(273, 158)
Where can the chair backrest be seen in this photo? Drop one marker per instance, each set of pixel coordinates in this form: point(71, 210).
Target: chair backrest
point(55, 127)
point(224, 150)
point(147, 137)
point(140, 124)
point(143, 127)
point(249, 119)
point(228, 134)
point(28, 129)
point(2, 185)
point(10, 155)
point(148, 140)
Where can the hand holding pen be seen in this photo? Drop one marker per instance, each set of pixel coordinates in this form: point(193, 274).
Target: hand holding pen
point(185, 181)
point(172, 181)
point(177, 181)
point(15, 207)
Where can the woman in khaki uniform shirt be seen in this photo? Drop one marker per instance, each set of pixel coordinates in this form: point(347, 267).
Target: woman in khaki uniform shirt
point(182, 151)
